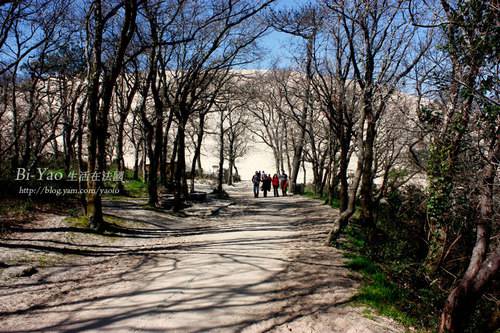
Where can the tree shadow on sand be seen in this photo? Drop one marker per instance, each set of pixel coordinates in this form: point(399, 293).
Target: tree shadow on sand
point(191, 280)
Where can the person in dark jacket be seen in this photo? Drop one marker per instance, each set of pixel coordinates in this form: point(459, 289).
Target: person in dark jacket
point(266, 184)
point(256, 182)
point(276, 183)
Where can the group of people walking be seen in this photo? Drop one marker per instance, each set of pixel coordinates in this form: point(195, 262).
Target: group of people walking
point(277, 181)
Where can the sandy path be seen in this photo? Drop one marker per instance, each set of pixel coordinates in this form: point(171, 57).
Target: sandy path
point(258, 267)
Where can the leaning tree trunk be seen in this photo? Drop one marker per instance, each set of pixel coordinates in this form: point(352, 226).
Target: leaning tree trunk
point(344, 217)
point(342, 221)
point(480, 271)
point(236, 172)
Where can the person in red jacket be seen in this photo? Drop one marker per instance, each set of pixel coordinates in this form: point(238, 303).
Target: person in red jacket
point(276, 184)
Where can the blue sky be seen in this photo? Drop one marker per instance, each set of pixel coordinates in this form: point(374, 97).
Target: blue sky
point(278, 45)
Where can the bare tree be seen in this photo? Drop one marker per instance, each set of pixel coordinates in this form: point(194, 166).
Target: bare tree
point(270, 110)
point(305, 22)
point(101, 76)
point(237, 141)
point(219, 45)
point(383, 49)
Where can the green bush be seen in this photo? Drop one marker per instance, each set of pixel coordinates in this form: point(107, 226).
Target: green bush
point(136, 188)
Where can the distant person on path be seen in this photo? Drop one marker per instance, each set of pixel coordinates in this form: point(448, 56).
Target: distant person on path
point(266, 184)
point(256, 183)
point(284, 183)
point(276, 184)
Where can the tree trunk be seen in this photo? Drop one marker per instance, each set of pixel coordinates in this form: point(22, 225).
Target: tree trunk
point(27, 127)
point(231, 158)
point(180, 167)
point(366, 193)
point(221, 155)
point(345, 215)
point(276, 160)
point(119, 149)
point(94, 208)
point(304, 171)
point(81, 164)
point(100, 103)
point(67, 127)
point(481, 271)
point(136, 163)
point(237, 173)
point(173, 159)
point(163, 159)
point(144, 160)
point(197, 149)
point(230, 171)
point(343, 168)
point(152, 176)
point(15, 122)
point(297, 156)
point(287, 154)
point(444, 153)
point(154, 153)
point(164, 151)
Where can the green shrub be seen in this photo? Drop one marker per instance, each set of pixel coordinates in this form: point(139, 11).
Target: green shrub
point(136, 188)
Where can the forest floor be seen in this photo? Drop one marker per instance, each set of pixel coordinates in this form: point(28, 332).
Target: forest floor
point(237, 265)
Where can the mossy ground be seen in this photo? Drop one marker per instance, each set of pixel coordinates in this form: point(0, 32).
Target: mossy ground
point(310, 194)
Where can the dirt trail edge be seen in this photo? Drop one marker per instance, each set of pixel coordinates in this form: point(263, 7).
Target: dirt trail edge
point(258, 265)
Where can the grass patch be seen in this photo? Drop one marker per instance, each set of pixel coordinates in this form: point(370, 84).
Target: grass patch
point(15, 213)
point(136, 188)
point(17, 207)
point(77, 221)
point(378, 292)
point(123, 222)
point(359, 263)
point(308, 193)
point(131, 189)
